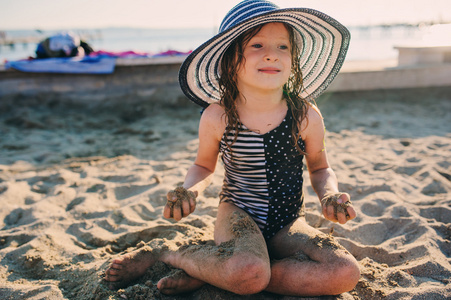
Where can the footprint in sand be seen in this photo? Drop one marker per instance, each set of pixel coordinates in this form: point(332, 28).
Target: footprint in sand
point(390, 241)
point(440, 214)
point(45, 184)
point(399, 211)
point(408, 170)
point(446, 175)
point(75, 202)
point(3, 188)
point(145, 211)
point(128, 191)
point(120, 178)
point(435, 187)
point(429, 269)
point(89, 235)
point(382, 230)
point(97, 188)
point(376, 207)
point(15, 240)
point(19, 216)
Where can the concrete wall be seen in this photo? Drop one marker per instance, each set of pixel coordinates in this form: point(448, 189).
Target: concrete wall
point(158, 79)
point(421, 76)
point(408, 56)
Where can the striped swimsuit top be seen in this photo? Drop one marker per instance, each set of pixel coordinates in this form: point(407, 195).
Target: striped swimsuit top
point(263, 175)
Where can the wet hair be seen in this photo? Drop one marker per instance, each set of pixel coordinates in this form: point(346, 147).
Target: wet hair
point(233, 59)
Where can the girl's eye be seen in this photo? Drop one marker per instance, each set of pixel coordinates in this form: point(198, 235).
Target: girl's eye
point(283, 47)
point(257, 46)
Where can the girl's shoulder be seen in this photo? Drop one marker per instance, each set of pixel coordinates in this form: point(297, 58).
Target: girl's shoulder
point(214, 113)
point(313, 120)
point(214, 119)
point(214, 108)
point(314, 112)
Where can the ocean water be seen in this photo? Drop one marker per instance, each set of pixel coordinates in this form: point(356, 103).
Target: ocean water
point(367, 43)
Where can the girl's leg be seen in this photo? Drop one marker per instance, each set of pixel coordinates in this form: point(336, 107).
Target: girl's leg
point(310, 263)
point(238, 263)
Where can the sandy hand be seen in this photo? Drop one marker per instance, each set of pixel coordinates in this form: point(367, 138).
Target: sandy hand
point(181, 203)
point(337, 207)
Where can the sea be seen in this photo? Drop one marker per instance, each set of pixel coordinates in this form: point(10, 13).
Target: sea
point(367, 42)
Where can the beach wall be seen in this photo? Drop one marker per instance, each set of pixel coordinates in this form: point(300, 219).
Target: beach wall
point(156, 79)
point(132, 78)
point(355, 77)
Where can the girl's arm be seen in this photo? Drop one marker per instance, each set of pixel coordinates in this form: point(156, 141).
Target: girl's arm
point(322, 177)
point(181, 202)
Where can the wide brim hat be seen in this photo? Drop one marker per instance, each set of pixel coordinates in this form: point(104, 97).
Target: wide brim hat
point(323, 43)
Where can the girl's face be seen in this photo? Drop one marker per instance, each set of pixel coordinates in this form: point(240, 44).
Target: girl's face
point(267, 60)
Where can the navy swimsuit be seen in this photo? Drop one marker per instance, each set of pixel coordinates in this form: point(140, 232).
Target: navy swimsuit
point(263, 175)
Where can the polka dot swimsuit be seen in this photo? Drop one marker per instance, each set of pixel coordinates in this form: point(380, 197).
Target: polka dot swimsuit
point(263, 175)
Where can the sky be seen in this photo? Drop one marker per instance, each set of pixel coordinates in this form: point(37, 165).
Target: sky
point(78, 14)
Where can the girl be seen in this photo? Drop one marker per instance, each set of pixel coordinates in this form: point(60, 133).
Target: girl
point(255, 79)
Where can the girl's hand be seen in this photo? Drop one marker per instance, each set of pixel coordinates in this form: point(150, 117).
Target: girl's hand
point(181, 203)
point(337, 207)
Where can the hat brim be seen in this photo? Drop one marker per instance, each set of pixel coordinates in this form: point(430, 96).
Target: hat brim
point(323, 44)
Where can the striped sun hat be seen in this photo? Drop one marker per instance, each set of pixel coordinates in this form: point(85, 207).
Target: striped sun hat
point(323, 43)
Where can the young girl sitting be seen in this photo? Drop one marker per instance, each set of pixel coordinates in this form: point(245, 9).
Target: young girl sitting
point(255, 79)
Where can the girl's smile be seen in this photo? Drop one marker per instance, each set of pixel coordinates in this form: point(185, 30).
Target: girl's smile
point(269, 70)
point(267, 60)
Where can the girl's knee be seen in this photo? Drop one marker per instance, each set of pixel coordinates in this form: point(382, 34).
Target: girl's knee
point(247, 274)
point(346, 275)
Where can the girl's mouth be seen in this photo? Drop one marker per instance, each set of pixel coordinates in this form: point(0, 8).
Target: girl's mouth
point(269, 70)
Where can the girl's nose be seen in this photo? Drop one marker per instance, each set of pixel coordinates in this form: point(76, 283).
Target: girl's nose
point(271, 56)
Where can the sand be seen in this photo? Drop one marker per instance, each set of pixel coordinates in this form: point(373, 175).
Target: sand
point(84, 182)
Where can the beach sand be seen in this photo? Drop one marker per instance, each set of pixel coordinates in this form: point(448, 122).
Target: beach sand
point(82, 182)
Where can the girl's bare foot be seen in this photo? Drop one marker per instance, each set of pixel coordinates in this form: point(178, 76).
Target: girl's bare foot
point(129, 267)
point(179, 283)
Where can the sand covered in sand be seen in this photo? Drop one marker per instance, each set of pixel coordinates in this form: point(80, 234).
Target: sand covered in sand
point(81, 184)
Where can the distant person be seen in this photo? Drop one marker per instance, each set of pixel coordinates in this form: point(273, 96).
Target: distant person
point(256, 80)
point(62, 45)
